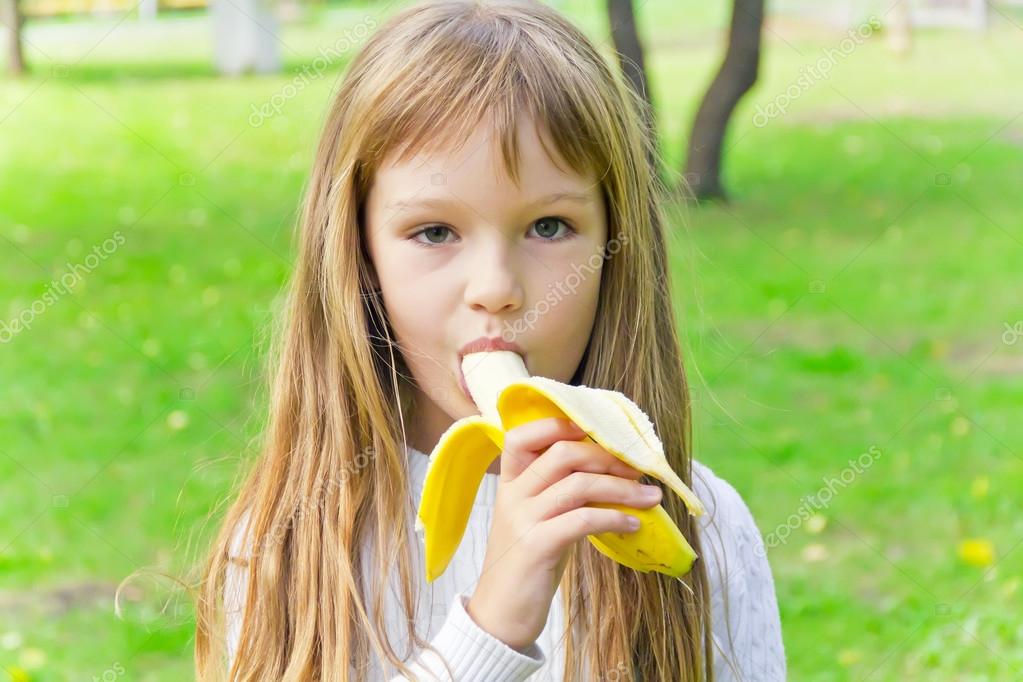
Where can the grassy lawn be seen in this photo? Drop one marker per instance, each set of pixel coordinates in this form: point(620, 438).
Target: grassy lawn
point(851, 303)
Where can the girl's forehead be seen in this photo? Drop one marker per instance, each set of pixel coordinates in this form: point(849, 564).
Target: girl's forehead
point(529, 159)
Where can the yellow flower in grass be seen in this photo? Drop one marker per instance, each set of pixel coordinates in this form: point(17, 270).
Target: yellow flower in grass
point(977, 552)
point(17, 674)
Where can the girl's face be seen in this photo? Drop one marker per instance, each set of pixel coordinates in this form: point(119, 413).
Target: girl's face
point(461, 252)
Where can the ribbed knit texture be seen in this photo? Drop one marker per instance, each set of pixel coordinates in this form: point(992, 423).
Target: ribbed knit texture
point(747, 633)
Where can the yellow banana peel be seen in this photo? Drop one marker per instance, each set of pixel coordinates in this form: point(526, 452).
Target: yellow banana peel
point(507, 397)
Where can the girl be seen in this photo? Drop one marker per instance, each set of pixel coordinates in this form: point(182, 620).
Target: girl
point(482, 182)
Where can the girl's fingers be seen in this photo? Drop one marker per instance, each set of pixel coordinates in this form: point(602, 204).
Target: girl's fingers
point(565, 457)
point(524, 443)
point(563, 530)
point(582, 488)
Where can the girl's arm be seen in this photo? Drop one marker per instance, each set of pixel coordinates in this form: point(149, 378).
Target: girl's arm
point(744, 609)
point(747, 629)
point(473, 654)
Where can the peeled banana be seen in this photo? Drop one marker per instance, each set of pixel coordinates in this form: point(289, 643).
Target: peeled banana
point(507, 396)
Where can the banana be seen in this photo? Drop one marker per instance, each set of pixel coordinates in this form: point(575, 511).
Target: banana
point(507, 396)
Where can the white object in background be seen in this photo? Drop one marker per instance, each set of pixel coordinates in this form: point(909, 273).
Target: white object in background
point(245, 37)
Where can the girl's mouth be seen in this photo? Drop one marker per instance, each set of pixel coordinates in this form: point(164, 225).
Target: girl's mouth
point(461, 377)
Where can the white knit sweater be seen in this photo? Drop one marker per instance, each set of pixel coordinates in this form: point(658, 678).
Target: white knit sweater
point(747, 631)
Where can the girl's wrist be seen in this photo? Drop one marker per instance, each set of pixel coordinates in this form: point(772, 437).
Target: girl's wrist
point(481, 617)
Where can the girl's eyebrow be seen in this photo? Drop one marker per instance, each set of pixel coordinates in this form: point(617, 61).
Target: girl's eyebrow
point(439, 202)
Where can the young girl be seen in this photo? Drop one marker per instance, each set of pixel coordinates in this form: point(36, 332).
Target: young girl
point(482, 182)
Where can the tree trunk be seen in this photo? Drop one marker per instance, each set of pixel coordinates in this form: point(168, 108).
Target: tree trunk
point(12, 18)
point(736, 76)
point(629, 49)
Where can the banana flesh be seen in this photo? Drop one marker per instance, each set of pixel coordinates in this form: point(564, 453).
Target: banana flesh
point(507, 396)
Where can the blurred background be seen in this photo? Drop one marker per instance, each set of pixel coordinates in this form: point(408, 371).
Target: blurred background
point(846, 269)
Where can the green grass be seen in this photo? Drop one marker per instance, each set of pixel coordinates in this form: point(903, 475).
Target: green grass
point(852, 296)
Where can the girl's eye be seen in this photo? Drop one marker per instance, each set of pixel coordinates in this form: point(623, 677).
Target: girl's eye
point(546, 227)
point(431, 232)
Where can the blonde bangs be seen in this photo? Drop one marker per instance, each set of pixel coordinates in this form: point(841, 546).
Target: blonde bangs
point(491, 70)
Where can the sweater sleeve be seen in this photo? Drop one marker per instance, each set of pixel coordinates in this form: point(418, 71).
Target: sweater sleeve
point(744, 610)
point(472, 653)
point(235, 584)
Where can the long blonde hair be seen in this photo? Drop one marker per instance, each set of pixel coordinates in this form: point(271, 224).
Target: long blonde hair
point(422, 81)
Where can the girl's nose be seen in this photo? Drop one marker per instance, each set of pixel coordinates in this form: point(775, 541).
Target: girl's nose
point(494, 276)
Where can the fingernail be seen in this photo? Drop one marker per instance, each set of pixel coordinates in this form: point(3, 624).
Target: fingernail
point(650, 491)
point(633, 522)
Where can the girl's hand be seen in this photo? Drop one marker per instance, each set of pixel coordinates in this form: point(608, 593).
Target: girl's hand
point(547, 476)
